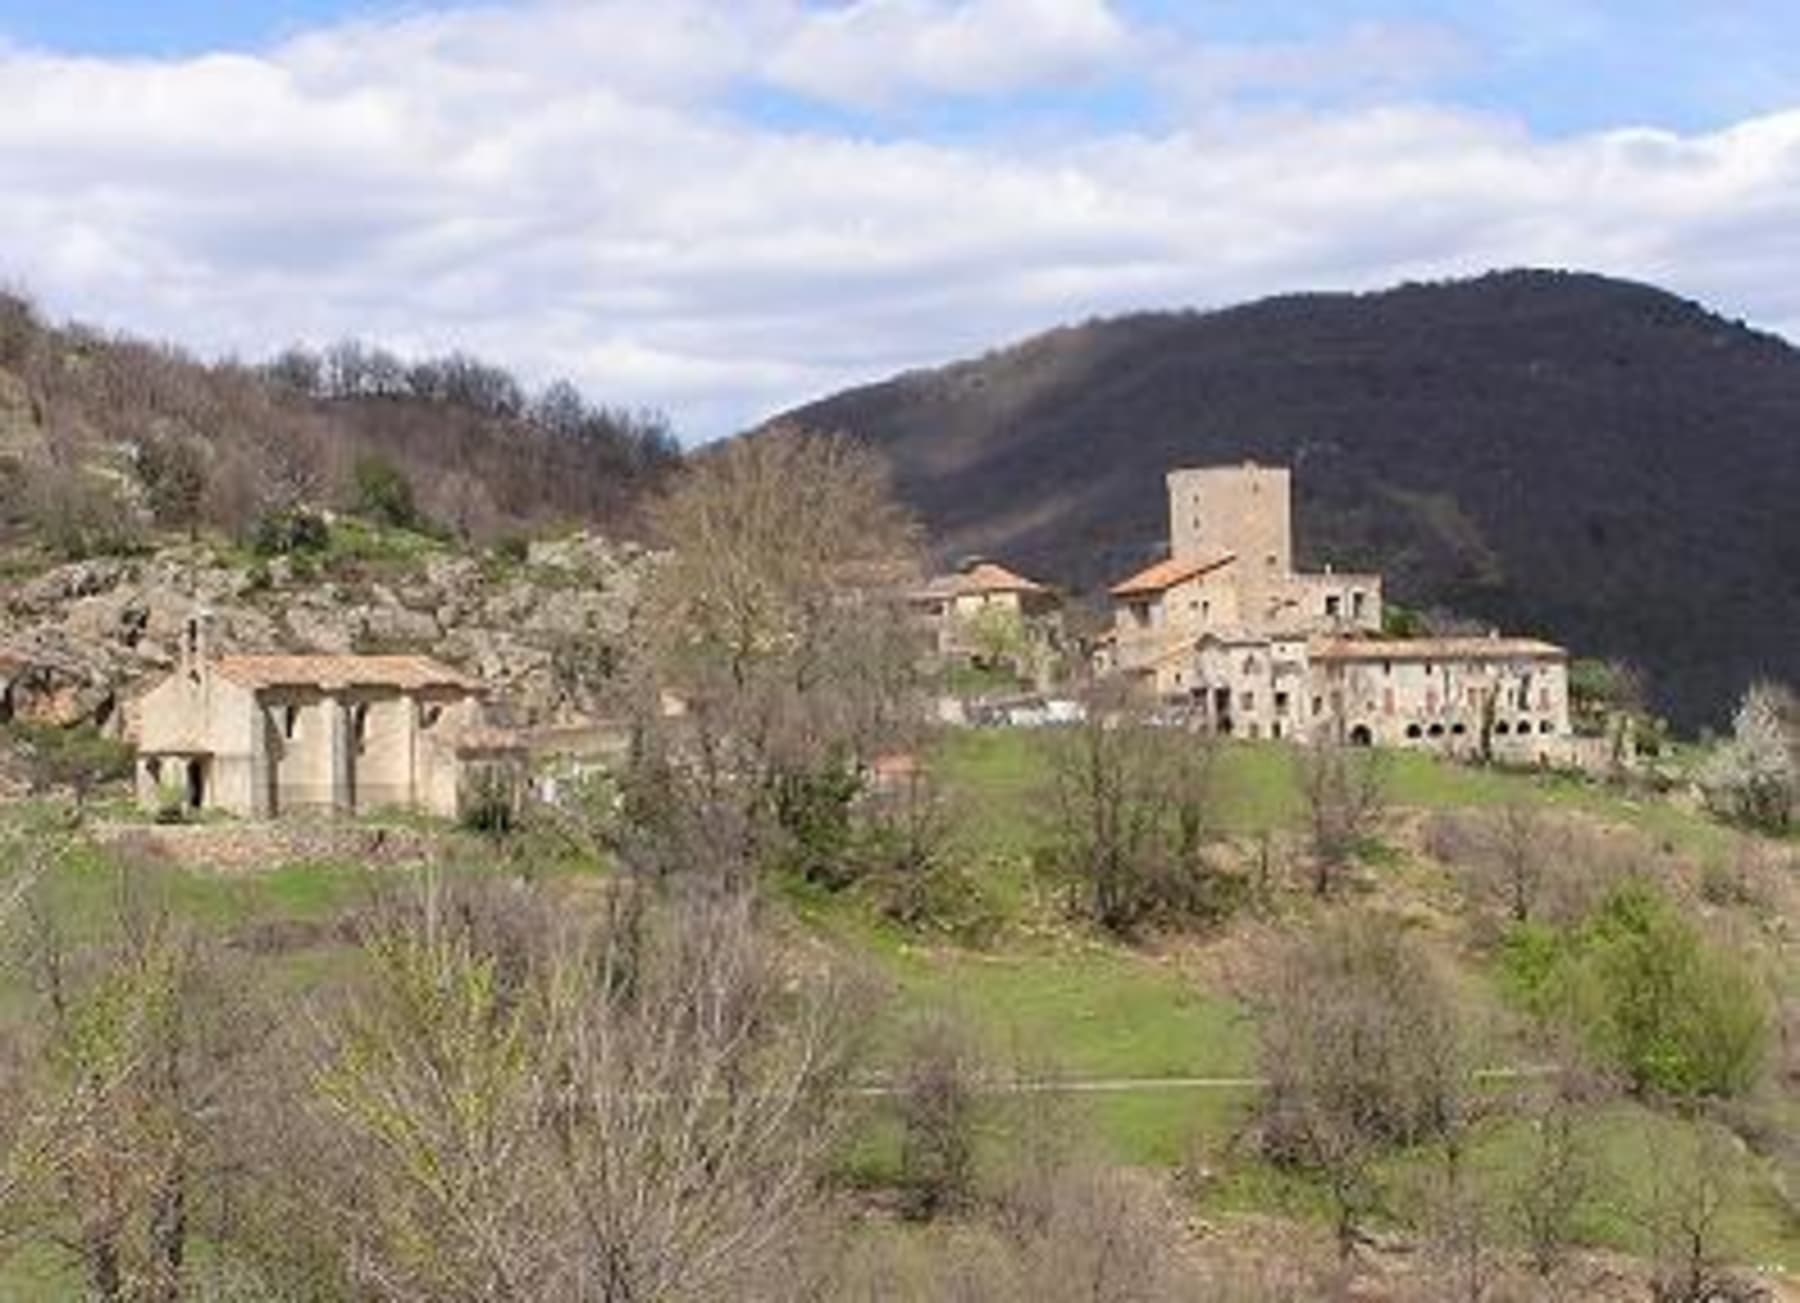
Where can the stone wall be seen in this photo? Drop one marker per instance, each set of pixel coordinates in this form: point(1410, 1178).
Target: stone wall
point(249, 847)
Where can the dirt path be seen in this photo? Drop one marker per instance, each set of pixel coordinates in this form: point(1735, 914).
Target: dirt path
point(1132, 1085)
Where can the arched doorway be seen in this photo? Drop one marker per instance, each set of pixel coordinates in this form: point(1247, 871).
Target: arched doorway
point(1361, 737)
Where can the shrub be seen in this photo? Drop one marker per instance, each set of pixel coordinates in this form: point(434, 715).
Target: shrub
point(79, 759)
point(489, 800)
point(1401, 622)
point(1674, 1013)
point(291, 532)
point(173, 472)
point(903, 854)
point(813, 811)
point(79, 515)
point(384, 494)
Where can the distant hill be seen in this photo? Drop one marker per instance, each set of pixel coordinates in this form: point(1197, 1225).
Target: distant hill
point(1558, 453)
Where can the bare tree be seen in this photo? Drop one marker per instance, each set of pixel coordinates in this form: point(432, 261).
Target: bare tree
point(1362, 1051)
point(936, 1102)
point(1461, 1238)
point(631, 1108)
point(29, 1129)
point(1519, 845)
point(779, 627)
point(1508, 855)
point(771, 536)
point(1558, 1181)
point(1133, 806)
point(137, 1041)
point(1344, 791)
point(1691, 1181)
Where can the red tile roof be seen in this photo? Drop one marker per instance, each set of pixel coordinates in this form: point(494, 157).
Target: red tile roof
point(987, 577)
point(1433, 649)
point(982, 577)
point(1164, 575)
point(404, 672)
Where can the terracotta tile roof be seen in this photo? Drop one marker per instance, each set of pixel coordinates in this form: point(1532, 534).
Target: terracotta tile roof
point(987, 577)
point(1433, 649)
point(982, 577)
point(405, 672)
point(1164, 575)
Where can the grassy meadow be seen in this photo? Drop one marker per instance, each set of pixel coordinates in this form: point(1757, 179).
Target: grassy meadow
point(1150, 1043)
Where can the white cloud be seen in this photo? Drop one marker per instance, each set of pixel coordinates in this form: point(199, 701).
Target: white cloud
point(870, 53)
point(1364, 60)
point(569, 188)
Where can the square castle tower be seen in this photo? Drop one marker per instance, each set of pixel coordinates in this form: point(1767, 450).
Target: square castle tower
point(1245, 512)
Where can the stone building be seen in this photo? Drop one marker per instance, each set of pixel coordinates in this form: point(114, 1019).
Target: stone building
point(270, 735)
point(974, 612)
point(1227, 627)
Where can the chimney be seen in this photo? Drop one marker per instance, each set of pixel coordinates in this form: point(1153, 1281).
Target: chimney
point(196, 643)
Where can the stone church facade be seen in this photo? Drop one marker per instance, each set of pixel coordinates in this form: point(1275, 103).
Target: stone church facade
point(261, 736)
point(1228, 628)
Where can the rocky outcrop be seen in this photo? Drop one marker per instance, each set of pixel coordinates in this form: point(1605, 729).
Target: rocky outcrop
point(78, 641)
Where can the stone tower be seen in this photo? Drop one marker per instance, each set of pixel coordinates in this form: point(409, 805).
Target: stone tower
point(1243, 509)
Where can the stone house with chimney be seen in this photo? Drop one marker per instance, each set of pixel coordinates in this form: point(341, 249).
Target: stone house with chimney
point(267, 735)
point(1228, 629)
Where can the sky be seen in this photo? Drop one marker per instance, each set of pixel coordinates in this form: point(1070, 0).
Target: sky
point(720, 208)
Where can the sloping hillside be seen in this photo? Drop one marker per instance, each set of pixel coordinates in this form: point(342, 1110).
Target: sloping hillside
point(101, 435)
point(1563, 454)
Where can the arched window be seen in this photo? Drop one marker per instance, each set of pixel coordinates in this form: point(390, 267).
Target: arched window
point(1502, 729)
point(1413, 731)
point(1436, 730)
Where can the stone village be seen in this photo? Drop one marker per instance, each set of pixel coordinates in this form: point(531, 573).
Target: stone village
point(1228, 629)
point(1224, 628)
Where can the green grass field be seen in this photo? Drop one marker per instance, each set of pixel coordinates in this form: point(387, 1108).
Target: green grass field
point(1049, 999)
point(1096, 1010)
point(1006, 777)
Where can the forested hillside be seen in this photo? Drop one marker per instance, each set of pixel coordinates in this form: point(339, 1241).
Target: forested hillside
point(1562, 454)
point(103, 437)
